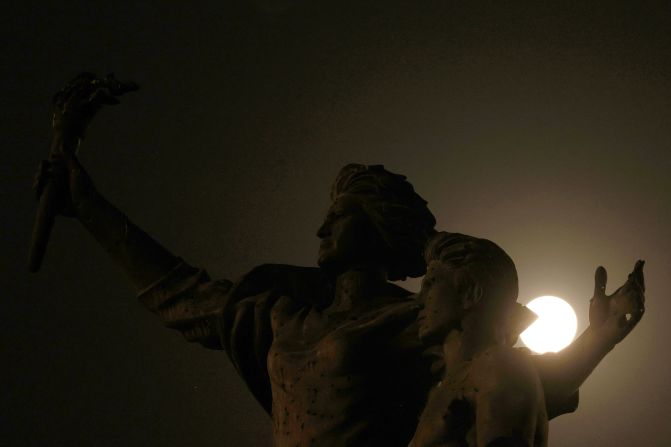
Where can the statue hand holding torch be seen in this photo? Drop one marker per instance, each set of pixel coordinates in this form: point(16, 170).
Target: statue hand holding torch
point(60, 183)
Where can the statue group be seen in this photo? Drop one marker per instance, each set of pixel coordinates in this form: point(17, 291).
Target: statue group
point(337, 354)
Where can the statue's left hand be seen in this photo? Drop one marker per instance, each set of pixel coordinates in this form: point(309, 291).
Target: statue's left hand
point(614, 316)
point(79, 101)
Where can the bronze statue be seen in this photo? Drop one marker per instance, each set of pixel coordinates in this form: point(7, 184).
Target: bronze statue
point(331, 353)
point(490, 393)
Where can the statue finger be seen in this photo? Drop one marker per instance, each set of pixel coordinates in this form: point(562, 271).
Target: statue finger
point(80, 81)
point(117, 87)
point(638, 276)
point(640, 300)
point(103, 96)
point(639, 297)
point(80, 88)
point(635, 285)
point(600, 280)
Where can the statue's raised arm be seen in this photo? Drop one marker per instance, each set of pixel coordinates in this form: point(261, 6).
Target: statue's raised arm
point(73, 108)
point(611, 317)
point(143, 259)
point(63, 187)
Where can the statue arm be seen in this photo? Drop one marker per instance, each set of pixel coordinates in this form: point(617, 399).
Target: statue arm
point(612, 318)
point(144, 260)
point(182, 296)
point(564, 372)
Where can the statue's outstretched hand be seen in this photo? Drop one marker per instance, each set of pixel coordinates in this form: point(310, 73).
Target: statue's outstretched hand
point(61, 185)
point(614, 316)
point(78, 102)
point(74, 108)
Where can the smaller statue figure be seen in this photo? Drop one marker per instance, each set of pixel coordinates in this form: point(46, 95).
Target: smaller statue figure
point(491, 394)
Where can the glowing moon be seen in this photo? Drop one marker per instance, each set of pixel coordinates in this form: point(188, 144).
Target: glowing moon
point(555, 328)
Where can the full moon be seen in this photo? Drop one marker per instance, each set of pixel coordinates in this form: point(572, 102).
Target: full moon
point(555, 328)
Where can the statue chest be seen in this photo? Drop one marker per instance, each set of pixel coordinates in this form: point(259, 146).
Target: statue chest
point(310, 350)
point(448, 418)
point(332, 377)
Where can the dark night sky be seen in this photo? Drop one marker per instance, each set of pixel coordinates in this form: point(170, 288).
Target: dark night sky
point(544, 127)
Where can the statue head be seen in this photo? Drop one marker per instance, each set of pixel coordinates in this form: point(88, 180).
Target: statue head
point(467, 276)
point(377, 219)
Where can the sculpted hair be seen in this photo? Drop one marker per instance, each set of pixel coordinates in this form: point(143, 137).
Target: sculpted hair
point(484, 271)
point(398, 213)
point(481, 265)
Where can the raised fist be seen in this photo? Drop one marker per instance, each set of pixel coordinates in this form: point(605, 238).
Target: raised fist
point(78, 102)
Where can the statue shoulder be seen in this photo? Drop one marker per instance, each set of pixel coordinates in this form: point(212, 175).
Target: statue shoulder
point(505, 368)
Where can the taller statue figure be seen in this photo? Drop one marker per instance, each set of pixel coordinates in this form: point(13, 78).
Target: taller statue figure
point(330, 352)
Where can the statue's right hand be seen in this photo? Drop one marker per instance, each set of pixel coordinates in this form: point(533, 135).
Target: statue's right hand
point(78, 102)
point(614, 316)
point(70, 176)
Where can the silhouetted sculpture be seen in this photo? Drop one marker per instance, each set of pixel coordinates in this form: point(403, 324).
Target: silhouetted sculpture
point(332, 353)
point(490, 392)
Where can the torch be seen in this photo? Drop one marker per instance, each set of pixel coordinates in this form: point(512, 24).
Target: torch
point(74, 107)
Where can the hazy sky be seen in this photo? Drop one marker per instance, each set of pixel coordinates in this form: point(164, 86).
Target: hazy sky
point(546, 128)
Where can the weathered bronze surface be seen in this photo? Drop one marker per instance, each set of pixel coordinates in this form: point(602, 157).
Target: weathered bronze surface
point(491, 394)
point(336, 354)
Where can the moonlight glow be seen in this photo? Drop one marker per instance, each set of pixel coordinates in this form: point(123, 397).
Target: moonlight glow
point(555, 328)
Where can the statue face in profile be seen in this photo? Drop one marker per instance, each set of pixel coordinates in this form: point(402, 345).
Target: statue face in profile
point(442, 303)
point(348, 238)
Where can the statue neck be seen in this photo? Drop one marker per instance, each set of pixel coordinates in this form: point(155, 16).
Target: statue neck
point(359, 289)
point(474, 336)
